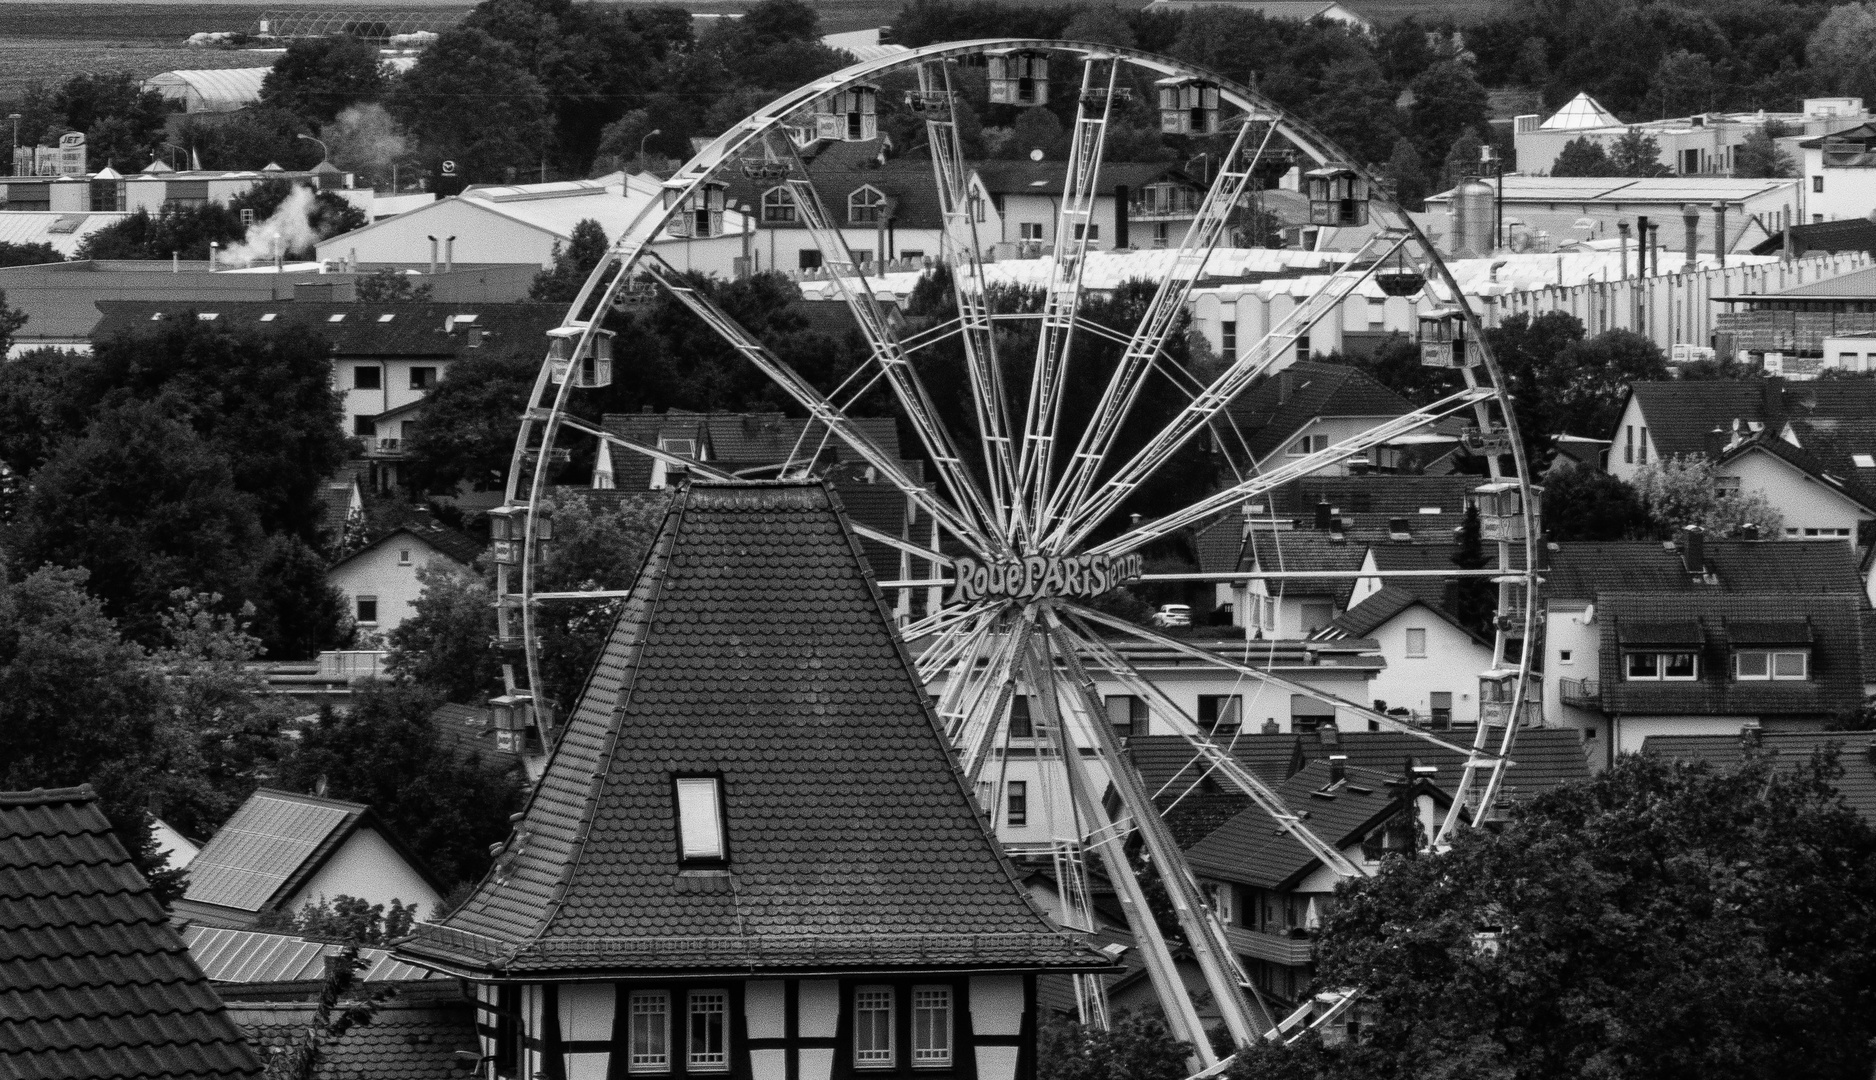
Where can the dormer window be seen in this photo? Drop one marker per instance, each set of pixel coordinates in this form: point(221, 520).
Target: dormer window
point(700, 820)
point(866, 206)
point(778, 206)
point(1754, 665)
point(1661, 666)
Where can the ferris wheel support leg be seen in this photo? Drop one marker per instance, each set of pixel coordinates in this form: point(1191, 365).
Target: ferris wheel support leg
point(893, 363)
point(1182, 1018)
point(971, 291)
point(1204, 936)
point(1224, 389)
point(1144, 346)
point(817, 405)
point(1074, 226)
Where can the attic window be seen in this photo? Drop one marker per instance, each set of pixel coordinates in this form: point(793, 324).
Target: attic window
point(156, 316)
point(269, 317)
point(700, 820)
point(1429, 509)
point(462, 320)
point(387, 316)
point(340, 317)
point(1864, 461)
point(208, 316)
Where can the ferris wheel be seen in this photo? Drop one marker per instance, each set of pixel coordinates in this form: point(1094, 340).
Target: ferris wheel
point(1032, 509)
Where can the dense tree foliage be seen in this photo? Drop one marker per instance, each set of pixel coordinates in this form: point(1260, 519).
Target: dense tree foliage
point(1132, 1047)
point(122, 122)
point(28, 254)
point(1663, 920)
point(560, 283)
point(318, 78)
point(1682, 490)
point(1585, 503)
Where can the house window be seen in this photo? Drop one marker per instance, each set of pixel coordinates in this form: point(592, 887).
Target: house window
point(1021, 726)
point(1030, 230)
point(1308, 444)
point(1228, 340)
point(1641, 451)
point(1302, 347)
point(872, 1027)
point(651, 1031)
point(507, 1030)
point(1092, 232)
point(778, 205)
point(1761, 664)
point(861, 256)
point(364, 427)
point(1817, 184)
point(1441, 703)
point(1726, 485)
point(1016, 804)
point(1220, 714)
point(700, 819)
point(422, 378)
point(1674, 666)
point(866, 205)
point(1628, 444)
point(1222, 896)
point(403, 556)
point(808, 258)
point(368, 611)
point(707, 1052)
point(1416, 642)
point(931, 1027)
point(1564, 656)
point(365, 377)
point(1127, 714)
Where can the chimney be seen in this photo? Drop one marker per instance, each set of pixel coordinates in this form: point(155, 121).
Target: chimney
point(1694, 549)
point(1749, 737)
point(1324, 515)
point(1338, 768)
point(1750, 531)
point(1271, 727)
point(1329, 735)
point(433, 250)
point(449, 254)
point(1719, 233)
point(1286, 385)
point(1690, 215)
point(1641, 246)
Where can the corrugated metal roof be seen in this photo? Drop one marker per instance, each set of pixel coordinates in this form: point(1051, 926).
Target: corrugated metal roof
point(216, 90)
point(1521, 189)
point(64, 231)
point(270, 837)
point(251, 956)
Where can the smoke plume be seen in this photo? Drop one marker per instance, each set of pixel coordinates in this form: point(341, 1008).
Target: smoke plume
point(288, 229)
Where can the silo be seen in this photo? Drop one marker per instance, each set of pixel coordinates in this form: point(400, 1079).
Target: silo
point(1473, 222)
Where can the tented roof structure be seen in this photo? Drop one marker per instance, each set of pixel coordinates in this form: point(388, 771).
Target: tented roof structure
point(1582, 112)
point(214, 90)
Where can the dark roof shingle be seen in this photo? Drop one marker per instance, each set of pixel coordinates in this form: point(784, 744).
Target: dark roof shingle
point(404, 1040)
point(94, 983)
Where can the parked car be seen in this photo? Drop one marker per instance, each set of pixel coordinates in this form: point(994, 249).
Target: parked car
point(1173, 615)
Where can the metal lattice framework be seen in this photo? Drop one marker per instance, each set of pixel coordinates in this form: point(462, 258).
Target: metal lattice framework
point(1030, 498)
point(373, 24)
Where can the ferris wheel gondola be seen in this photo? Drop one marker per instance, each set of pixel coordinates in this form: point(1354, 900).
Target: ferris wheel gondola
point(1034, 506)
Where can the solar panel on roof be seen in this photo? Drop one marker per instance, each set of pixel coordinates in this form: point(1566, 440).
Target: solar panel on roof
point(260, 847)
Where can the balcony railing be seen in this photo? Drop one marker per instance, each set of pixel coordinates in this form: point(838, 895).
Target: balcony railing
point(1275, 948)
point(390, 446)
point(1584, 693)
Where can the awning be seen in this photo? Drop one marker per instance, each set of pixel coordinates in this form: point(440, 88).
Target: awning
point(1769, 632)
point(1681, 632)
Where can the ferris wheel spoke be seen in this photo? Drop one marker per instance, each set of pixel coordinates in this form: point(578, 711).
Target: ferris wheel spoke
point(1225, 389)
point(818, 406)
point(893, 363)
point(990, 699)
point(1293, 469)
point(963, 252)
point(1162, 315)
point(1074, 224)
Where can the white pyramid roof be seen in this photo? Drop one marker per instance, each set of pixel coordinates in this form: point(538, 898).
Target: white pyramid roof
point(1583, 111)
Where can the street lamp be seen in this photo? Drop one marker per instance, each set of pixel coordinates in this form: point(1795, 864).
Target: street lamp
point(323, 152)
point(394, 165)
point(641, 141)
point(13, 167)
point(178, 149)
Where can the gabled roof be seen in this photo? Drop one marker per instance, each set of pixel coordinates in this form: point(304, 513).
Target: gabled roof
point(405, 1040)
point(1581, 111)
point(1581, 570)
point(452, 544)
point(1253, 849)
point(838, 169)
point(254, 956)
point(413, 330)
point(1835, 685)
point(1698, 417)
point(1047, 177)
point(753, 648)
point(1857, 785)
point(1819, 458)
point(272, 845)
point(1277, 406)
point(93, 981)
point(735, 441)
point(1292, 550)
point(1377, 610)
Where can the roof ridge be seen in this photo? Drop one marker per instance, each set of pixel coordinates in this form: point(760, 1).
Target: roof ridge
point(43, 796)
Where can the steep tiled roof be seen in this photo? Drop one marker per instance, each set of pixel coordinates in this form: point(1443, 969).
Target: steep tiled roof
point(451, 543)
point(1253, 849)
point(1220, 546)
point(1835, 685)
point(1681, 414)
point(879, 506)
point(1824, 458)
point(753, 648)
point(1047, 177)
point(253, 956)
point(1271, 412)
point(414, 1040)
point(1305, 549)
point(94, 983)
point(1383, 496)
point(840, 168)
point(1371, 614)
point(414, 329)
point(1580, 570)
point(735, 442)
point(1857, 785)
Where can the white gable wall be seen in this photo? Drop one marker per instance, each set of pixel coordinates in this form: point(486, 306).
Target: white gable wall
point(388, 572)
point(368, 867)
point(1811, 509)
point(1451, 665)
point(1633, 449)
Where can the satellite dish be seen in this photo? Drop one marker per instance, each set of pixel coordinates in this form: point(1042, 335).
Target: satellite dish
point(1036, 154)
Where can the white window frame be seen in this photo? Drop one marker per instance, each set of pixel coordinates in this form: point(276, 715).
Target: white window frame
point(1015, 793)
point(871, 1002)
point(1660, 659)
point(931, 1027)
point(1771, 657)
point(1417, 642)
point(699, 810)
point(1307, 444)
point(715, 1053)
point(1029, 230)
point(775, 201)
point(650, 1012)
point(864, 210)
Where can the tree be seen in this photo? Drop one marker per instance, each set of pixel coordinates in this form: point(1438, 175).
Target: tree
point(1636, 154)
point(1407, 172)
point(385, 752)
point(472, 99)
point(1583, 391)
point(392, 286)
point(1684, 83)
point(443, 645)
point(1661, 920)
point(318, 78)
point(11, 320)
point(1683, 490)
point(1760, 156)
point(1528, 352)
point(123, 123)
point(28, 254)
point(562, 282)
point(1581, 157)
point(1036, 129)
point(773, 22)
point(620, 141)
point(1477, 598)
point(468, 433)
point(1103, 24)
point(1584, 503)
point(1462, 160)
point(254, 138)
point(298, 214)
point(344, 920)
point(1132, 1047)
point(1447, 101)
point(174, 230)
point(1839, 50)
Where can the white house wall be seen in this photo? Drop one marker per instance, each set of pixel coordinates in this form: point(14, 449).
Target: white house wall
point(1573, 650)
point(780, 249)
point(1803, 501)
point(385, 573)
point(1451, 664)
point(394, 388)
point(1633, 447)
point(368, 867)
point(1847, 192)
